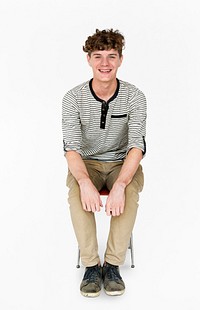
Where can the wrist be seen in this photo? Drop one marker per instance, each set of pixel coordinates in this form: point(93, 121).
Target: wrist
point(83, 181)
point(120, 184)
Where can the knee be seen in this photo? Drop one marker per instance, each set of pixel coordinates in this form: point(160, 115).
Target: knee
point(137, 182)
point(72, 184)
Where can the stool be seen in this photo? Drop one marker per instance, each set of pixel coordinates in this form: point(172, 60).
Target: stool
point(104, 192)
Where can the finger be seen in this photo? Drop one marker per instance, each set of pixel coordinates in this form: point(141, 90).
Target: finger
point(108, 211)
point(100, 206)
point(115, 211)
point(97, 207)
point(88, 208)
point(121, 210)
point(93, 208)
point(84, 206)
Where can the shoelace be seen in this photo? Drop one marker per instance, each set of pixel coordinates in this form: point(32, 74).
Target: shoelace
point(92, 274)
point(112, 273)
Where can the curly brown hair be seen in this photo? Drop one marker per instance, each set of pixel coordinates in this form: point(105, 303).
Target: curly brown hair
point(104, 40)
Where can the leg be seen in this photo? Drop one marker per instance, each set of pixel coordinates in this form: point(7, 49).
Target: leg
point(84, 222)
point(121, 226)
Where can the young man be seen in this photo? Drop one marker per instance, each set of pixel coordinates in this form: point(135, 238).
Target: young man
point(104, 122)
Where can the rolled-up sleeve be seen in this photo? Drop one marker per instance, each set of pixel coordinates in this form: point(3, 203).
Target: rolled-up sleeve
point(137, 122)
point(71, 126)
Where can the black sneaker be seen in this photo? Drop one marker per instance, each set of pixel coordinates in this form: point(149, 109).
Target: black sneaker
point(112, 281)
point(91, 283)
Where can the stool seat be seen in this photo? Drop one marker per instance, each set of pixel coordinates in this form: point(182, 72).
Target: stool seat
point(104, 191)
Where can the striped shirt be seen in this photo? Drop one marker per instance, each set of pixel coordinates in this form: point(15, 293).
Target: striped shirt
point(102, 130)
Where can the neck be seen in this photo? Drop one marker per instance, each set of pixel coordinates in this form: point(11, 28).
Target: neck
point(104, 90)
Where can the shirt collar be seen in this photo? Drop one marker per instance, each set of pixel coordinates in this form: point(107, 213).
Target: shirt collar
point(101, 100)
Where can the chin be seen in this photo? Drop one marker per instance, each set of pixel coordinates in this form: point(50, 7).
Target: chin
point(105, 78)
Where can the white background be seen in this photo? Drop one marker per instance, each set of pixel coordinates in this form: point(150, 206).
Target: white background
point(41, 58)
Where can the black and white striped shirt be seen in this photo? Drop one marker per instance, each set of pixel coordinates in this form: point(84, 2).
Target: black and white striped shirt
point(108, 138)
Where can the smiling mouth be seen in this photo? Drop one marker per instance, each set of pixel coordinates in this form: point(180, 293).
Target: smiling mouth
point(105, 71)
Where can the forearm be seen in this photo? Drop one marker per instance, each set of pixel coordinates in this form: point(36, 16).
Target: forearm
point(77, 166)
point(129, 167)
point(116, 199)
point(90, 196)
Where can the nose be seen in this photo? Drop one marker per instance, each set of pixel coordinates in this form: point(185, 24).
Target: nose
point(104, 61)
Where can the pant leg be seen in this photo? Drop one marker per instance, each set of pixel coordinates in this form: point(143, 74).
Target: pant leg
point(84, 223)
point(121, 226)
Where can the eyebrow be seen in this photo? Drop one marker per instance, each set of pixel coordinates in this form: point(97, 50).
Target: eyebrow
point(112, 54)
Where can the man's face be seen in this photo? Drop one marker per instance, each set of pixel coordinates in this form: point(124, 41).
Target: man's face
point(105, 64)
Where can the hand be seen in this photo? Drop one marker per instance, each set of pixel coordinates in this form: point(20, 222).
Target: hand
point(116, 200)
point(90, 197)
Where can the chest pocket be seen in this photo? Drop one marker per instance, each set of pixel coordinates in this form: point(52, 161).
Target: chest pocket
point(119, 116)
point(119, 123)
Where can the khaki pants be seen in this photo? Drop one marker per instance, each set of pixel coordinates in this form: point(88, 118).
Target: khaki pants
point(104, 173)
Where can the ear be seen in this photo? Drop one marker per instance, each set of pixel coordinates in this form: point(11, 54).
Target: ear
point(89, 59)
point(120, 60)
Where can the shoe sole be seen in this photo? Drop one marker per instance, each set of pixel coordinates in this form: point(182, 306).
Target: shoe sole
point(90, 294)
point(114, 293)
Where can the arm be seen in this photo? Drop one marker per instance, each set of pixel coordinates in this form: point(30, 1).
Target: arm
point(72, 137)
point(137, 148)
point(116, 199)
point(90, 197)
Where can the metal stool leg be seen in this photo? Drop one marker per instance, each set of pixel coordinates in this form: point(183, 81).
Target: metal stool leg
point(131, 250)
point(78, 259)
